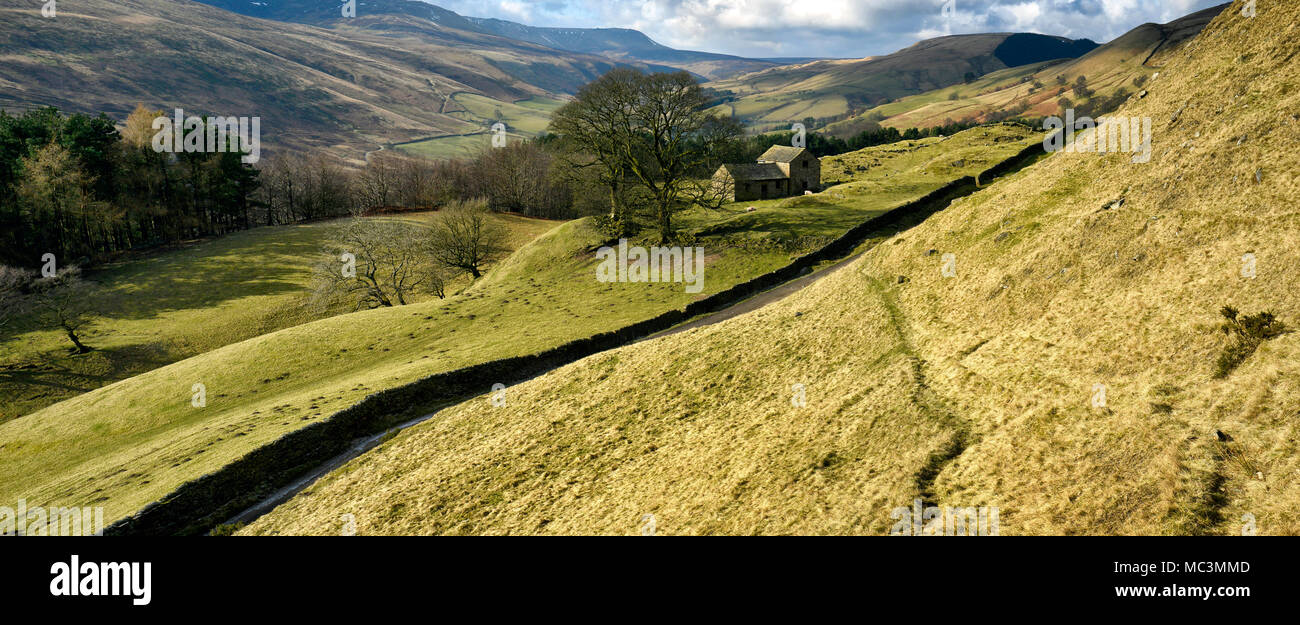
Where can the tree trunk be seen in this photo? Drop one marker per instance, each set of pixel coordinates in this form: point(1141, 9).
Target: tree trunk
point(81, 349)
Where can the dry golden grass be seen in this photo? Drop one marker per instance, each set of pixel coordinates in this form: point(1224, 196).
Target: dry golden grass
point(699, 429)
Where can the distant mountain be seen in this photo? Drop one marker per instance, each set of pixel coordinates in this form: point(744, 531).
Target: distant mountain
point(413, 75)
point(1025, 48)
point(623, 43)
point(346, 86)
point(322, 11)
point(1110, 72)
point(830, 88)
point(620, 44)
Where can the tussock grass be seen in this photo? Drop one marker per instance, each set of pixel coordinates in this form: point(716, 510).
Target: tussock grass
point(698, 428)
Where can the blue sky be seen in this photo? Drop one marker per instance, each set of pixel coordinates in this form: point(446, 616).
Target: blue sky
point(844, 28)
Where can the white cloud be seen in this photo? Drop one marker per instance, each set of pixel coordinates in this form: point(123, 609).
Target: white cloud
point(849, 28)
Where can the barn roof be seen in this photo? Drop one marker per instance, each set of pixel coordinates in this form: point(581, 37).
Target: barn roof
point(781, 154)
point(756, 171)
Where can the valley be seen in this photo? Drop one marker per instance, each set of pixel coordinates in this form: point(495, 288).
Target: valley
point(969, 388)
point(406, 319)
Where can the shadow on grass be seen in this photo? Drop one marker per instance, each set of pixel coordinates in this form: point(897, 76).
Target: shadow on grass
point(223, 272)
point(28, 387)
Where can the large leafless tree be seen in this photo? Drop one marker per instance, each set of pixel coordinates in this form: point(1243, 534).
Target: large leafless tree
point(466, 237)
point(374, 262)
point(650, 131)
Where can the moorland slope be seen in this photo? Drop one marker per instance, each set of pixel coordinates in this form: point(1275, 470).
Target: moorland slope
point(1059, 365)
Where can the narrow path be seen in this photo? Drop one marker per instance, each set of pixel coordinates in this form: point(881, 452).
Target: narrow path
point(927, 400)
point(772, 295)
point(358, 447)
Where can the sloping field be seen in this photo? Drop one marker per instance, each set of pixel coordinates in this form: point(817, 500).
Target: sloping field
point(128, 444)
point(980, 389)
point(166, 307)
point(523, 119)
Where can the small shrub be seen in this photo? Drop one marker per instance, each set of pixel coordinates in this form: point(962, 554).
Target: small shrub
point(227, 529)
point(612, 229)
point(1247, 333)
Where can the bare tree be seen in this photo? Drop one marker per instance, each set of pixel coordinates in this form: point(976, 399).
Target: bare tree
point(334, 190)
point(374, 262)
point(419, 184)
point(651, 131)
point(65, 301)
point(379, 183)
point(598, 125)
point(466, 237)
point(519, 178)
point(12, 283)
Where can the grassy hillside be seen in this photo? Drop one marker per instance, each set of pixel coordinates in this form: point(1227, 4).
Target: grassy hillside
point(166, 307)
point(345, 86)
point(130, 443)
point(834, 87)
point(1035, 90)
point(973, 390)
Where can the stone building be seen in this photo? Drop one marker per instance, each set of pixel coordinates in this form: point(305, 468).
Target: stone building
point(781, 171)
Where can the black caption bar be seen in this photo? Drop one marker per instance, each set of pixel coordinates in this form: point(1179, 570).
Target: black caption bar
point(245, 577)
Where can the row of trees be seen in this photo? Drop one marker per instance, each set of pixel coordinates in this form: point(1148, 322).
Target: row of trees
point(76, 187)
point(523, 177)
point(376, 262)
point(634, 148)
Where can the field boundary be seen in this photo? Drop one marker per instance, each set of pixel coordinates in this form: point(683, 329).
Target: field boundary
point(198, 505)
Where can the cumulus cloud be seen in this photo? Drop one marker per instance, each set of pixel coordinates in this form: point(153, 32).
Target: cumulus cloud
point(839, 28)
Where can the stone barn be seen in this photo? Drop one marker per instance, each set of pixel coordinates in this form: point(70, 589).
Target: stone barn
point(780, 172)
